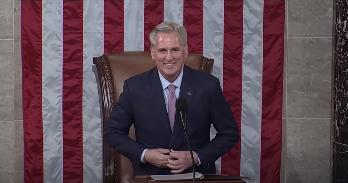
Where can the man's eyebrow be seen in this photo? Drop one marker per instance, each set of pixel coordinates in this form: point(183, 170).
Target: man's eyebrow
point(174, 48)
point(162, 49)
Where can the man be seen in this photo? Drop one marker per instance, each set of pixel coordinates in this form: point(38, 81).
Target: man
point(146, 102)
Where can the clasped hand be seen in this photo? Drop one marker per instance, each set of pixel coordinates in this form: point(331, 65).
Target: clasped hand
point(177, 161)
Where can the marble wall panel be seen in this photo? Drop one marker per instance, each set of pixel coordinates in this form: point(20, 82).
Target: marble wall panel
point(7, 79)
point(6, 19)
point(308, 155)
point(17, 19)
point(6, 66)
point(310, 18)
point(19, 152)
point(283, 153)
point(308, 77)
point(17, 62)
point(18, 111)
point(7, 176)
point(7, 151)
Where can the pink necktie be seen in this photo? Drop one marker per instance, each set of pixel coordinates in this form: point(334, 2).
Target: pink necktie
point(171, 104)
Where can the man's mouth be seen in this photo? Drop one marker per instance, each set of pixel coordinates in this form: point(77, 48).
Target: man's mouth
point(169, 64)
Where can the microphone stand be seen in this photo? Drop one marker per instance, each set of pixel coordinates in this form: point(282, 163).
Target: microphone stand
point(183, 121)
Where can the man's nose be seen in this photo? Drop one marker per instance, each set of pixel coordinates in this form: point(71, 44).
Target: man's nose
point(169, 55)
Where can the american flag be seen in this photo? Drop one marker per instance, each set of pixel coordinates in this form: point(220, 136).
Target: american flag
point(62, 122)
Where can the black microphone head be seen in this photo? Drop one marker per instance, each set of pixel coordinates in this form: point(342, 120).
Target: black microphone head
point(181, 104)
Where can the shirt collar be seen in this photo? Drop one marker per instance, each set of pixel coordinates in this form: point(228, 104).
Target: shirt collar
point(165, 82)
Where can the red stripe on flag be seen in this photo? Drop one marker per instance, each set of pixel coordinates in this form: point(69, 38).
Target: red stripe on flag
point(193, 22)
point(232, 75)
point(272, 90)
point(153, 15)
point(31, 18)
point(72, 91)
point(113, 26)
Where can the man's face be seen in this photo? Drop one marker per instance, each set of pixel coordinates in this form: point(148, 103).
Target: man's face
point(169, 55)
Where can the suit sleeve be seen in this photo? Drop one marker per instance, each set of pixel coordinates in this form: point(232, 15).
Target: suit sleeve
point(117, 127)
point(225, 125)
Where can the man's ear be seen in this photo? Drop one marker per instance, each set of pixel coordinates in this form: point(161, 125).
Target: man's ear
point(152, 51)
point(186, 51)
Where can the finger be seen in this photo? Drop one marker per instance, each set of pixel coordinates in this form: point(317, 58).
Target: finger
point(165, 160)
point(164, 151)
point(175, 167)
point(163, 164)
point(177, 171)
point(174, 162)
point(175, 154)
point(164, 157)
point(179, 154)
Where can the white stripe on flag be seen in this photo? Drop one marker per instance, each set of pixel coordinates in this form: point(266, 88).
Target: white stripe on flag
point(251, 89)
point(52, 61)
point(213, 30)
point(173, 11)
point(133, 25)
point(93, 45)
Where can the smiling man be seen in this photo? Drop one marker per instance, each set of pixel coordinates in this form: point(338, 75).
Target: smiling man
point(148, 102)
point(169, 53)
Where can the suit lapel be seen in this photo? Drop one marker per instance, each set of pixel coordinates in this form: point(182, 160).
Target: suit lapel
point(158, 100)
point(186, 93)
point(186, 89)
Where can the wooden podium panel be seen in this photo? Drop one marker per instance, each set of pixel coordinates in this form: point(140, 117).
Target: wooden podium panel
point(206, 179)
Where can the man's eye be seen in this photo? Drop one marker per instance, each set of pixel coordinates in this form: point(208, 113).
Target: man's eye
point(175, 51)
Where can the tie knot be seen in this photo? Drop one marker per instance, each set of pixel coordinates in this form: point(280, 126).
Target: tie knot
point(171, 88)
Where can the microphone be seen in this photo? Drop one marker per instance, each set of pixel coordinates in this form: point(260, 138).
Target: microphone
point(181, 107)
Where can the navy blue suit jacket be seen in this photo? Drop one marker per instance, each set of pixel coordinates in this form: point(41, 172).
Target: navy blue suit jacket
point(142, 104)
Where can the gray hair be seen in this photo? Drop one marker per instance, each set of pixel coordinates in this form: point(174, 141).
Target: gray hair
point(169, 27)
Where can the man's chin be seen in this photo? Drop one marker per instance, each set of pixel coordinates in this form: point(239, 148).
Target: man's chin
point(170, 76)
point(169, 71)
